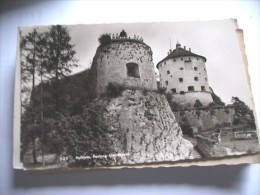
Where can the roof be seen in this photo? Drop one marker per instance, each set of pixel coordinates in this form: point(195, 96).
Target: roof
point(180, 52)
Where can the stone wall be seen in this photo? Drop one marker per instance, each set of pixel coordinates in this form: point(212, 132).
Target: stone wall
point(110, 65)
point(202, 119)
point(188, 98)
point(143, 125)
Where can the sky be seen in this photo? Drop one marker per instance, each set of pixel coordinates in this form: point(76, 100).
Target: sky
point(215, 40)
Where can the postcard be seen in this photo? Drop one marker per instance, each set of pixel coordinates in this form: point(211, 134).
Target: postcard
point(133, 95)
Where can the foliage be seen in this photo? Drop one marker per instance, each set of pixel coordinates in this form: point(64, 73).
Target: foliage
point(216, 99)
point(45, 58)
point(243, 114)
point(197, 104)
point(162, 90)
point(241, 108)
point(174, 105)
point(212, 104)
point(61, 53)
point(123, 33)
point(104, 39)
point(186, 127)
point(85, 134)
point(114, 89)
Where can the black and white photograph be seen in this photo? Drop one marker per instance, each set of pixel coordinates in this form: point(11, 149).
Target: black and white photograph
point(131, 94)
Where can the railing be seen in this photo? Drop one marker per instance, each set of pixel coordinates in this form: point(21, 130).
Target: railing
point(117, 37)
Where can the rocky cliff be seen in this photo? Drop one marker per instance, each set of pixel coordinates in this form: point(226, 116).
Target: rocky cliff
point(142, 125)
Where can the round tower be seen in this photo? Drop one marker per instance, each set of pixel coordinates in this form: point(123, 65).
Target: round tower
point(183, 74)
point(125, 61)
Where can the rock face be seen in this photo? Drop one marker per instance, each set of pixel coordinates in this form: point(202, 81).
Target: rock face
point(142, 124)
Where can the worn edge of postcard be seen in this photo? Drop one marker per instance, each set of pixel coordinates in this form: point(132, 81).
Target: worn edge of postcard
point(227, 160)
point(17, 164)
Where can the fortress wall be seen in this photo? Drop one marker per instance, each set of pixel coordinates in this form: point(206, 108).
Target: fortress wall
point(188, 98)
point(205, 119)
point(110, 65)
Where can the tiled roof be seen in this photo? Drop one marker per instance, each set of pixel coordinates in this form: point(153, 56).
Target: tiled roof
point(180, 52)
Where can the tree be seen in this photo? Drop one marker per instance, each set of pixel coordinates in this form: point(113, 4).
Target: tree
point(242, 111)
point(241, 108)
point(61, 57)
point(30, 59)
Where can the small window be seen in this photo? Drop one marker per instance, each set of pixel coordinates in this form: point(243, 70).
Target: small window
point(195, 68)
point(206, 79)
point(133, 70)
point(190, 88)
point(197, 58)
point(164, 62)
point(181, 58)
point(181, 80)
point(196, 78)
point(182, 92)
point(173, 90)
point(168, 72)
point(174, 60)
point(202, 88)
point(166, 82)
point(181, 68)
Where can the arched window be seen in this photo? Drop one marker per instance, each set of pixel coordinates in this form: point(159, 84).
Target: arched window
point(182, 92)
point(133, 70)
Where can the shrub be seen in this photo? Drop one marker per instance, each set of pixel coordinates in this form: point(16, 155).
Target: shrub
point(227, 111)
point(123, 33)
point(212, 104)
point(114, 89)
point(198, 113)
point(104, 39)
point(145, 91)
point(161, 90)
point(182, 112)
point(173, 105)
point(212, 112)
point(186, 127)
point(197, 104)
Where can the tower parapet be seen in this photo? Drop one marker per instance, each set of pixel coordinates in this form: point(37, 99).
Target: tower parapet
point(183, 74)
